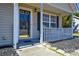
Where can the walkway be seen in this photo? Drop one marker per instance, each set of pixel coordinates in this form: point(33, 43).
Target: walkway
point(37, 51)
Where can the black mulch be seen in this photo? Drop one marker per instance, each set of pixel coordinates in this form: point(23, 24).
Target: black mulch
point(68, 46)
point(7, 51)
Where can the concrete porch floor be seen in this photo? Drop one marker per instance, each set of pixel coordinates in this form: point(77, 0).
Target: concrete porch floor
point(38, 50)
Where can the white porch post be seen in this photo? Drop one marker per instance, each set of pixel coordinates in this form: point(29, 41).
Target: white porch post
point(15, 25)
point(41, 23)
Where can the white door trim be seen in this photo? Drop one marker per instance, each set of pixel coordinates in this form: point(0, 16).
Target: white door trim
point(31, 25)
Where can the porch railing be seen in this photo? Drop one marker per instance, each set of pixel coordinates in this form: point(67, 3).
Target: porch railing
point(55, 34)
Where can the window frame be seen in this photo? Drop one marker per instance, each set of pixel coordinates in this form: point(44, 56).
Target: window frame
point(54, 22)
point(57, 20)
point(49, 22)
point(46, 21)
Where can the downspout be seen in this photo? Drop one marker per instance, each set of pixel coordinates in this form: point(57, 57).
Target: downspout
point(41, 23)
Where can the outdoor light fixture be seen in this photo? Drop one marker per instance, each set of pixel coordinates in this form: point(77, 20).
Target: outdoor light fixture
point(35, 10)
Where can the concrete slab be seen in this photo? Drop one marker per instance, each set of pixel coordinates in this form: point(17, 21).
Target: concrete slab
point(36, 51)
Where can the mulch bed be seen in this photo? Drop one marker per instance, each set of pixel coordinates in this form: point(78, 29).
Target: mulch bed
point(7, 51)
point(68, 46)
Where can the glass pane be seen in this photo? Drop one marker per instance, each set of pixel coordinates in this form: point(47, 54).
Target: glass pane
point(53, 18)
point(45, 17)
point(45, 24)
point(53, 25)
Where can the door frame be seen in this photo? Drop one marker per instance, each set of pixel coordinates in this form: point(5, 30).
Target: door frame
point(28, 9)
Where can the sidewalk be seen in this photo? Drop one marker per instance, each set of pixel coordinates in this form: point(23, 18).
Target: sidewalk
point(37, 51)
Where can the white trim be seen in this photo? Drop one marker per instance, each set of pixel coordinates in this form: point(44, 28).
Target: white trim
point(24, 8)
point(15, 25)
point(41, 23)
point(31, 26)
point(49, 13)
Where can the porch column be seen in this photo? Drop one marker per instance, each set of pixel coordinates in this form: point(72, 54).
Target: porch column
point(41, 23)
point(15, 25)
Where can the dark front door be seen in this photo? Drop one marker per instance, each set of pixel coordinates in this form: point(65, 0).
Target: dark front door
point(24, 24)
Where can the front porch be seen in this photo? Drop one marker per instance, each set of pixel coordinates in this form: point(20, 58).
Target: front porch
point(50, 24)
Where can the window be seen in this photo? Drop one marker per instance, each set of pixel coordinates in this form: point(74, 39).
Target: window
point(45, 20)
point(53, 18)
point(49, 21)
point(45, 24)
point(38, 21)
point(54, 22)
point(46, 17)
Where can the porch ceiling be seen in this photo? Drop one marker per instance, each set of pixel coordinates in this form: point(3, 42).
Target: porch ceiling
point(50, 8)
